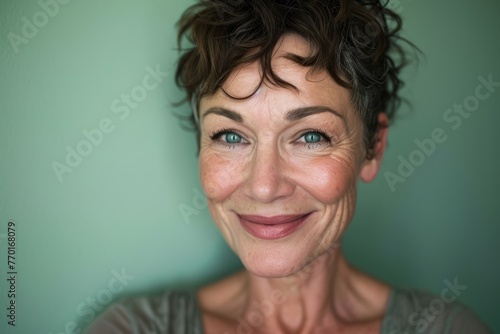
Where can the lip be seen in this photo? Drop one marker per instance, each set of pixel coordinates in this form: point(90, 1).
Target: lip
point(271, 228)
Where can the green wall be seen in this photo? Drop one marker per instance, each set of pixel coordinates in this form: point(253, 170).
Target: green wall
point(117, 211)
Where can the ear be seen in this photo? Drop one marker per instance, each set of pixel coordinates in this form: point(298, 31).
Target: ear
point(370, 168)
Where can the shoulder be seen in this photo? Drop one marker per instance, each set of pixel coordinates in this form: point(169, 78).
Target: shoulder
point(173, 312)
point(416, 311)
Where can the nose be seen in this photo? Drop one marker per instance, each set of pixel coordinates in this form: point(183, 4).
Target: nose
point(268, 176)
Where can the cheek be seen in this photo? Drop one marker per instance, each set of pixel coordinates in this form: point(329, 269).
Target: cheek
point(218, 176)
point(328, 179)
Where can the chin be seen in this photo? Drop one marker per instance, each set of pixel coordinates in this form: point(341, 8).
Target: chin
point(272, 263)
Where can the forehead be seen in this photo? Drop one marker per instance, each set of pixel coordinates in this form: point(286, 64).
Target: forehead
point(313, 88)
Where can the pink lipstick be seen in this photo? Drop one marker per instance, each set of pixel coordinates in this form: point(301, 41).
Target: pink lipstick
point(270, 228)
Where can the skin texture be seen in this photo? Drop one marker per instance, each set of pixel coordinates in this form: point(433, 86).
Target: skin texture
point(273, 170)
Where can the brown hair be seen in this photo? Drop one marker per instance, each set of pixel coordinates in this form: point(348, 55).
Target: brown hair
point(357, 42)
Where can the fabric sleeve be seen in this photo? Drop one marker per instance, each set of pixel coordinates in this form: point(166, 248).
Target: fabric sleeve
point(413, 311)
point(115, 320)
point(464, 321)
point(172, 313)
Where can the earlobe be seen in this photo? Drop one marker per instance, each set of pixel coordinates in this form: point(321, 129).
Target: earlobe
point(370, 168)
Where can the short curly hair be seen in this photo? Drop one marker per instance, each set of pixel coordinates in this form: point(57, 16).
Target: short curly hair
point(356, 41)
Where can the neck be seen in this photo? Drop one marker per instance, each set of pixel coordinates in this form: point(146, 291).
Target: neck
point(326, 292)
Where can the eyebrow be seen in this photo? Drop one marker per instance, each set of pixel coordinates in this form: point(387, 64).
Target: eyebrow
point(224, 112)
point(292, 115)
point(299, 113)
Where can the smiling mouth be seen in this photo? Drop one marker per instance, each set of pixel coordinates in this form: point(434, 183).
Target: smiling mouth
point(271, 228)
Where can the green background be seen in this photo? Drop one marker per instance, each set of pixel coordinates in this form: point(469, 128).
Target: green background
point(120, 208)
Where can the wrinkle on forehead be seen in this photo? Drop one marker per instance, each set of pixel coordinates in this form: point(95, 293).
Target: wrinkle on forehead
point(313, 87)
point(251, 74)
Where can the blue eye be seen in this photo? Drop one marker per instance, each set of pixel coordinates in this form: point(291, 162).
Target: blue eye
point(312, 137)
point(232, 138)
point(227, 137)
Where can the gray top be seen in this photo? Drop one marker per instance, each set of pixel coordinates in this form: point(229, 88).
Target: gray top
point(409, 311)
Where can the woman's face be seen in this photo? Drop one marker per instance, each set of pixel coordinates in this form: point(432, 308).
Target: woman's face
point(280, 168)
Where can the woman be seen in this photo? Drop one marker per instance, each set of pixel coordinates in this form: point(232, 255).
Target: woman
point(292, 102)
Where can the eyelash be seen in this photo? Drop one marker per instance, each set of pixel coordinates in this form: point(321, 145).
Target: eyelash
point(217, 134)
point(322, 133)
point(215, 137)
